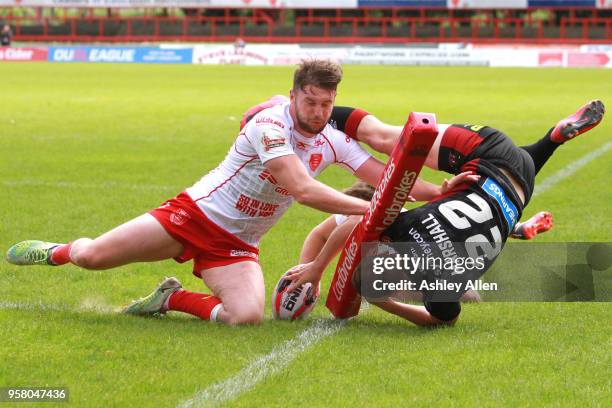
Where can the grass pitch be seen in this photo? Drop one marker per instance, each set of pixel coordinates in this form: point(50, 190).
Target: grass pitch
point(84, 148)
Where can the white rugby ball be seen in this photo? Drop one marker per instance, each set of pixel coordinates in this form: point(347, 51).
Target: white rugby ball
point(295, 305)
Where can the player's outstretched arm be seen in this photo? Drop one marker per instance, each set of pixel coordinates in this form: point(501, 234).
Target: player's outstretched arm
point(425, 191)
point(292, 175)
point(371, 172)
point(372, 169)
point(312, 271)
point(316, 239)
point(377, 134)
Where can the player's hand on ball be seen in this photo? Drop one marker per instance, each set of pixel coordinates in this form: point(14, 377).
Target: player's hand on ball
point(304, 273)
point(465, 177)
point(291, 301)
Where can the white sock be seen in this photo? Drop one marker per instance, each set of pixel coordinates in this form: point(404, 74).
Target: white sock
point(166, 305)
point(215, 311)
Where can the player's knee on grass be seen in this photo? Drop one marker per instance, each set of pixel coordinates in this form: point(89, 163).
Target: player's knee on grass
point(244, 312)
point(446, 312)
point(245, 317)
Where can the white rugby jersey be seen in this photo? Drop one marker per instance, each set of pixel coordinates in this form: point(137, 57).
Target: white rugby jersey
point(242, 197)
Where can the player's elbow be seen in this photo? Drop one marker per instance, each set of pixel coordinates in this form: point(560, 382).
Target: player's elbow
point(303, 194)
point(300, 197)
point(380, 143)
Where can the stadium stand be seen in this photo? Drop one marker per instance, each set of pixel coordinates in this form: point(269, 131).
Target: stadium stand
point(294, 21)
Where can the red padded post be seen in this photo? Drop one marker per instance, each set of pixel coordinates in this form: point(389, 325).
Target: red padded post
point(399, 176)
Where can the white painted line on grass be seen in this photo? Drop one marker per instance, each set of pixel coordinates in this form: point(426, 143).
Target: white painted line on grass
point(570, 169)
point(32, 306)
point(97, 186)
point(88, 305)
point(264, 366)
point(267, 365)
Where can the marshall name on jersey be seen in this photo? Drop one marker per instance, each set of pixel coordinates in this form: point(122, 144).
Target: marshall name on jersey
point(242, 197)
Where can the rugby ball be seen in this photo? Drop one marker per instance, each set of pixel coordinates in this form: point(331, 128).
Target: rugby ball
point(295, 305)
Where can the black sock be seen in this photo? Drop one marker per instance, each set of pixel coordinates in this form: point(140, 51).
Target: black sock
point(541, 151)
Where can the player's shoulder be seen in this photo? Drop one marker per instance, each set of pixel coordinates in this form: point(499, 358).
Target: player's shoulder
point(269, 132)
point(273, 117)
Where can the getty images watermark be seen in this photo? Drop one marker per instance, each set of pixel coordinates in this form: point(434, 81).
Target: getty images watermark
point(520, 272)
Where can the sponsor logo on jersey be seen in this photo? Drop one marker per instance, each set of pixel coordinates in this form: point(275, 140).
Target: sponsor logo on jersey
point(473, 128)
point(282, 191)
point(452, 160)
point(255, 208)
point(179, 217)
point(315, 160)
point(509, 210)
point(271, 140)
point(265, 175)
point(306, 147)
point(270, 121)
point(242, 252)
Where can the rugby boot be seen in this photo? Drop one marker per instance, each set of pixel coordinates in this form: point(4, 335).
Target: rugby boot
point(585, 118)
point(31, 253)
point(541, 222)
point(154, 303)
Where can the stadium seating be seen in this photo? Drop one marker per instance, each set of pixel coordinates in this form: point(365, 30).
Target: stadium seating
point(541, 22)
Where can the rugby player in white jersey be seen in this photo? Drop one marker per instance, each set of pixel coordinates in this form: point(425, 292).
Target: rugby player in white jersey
point(219, 221)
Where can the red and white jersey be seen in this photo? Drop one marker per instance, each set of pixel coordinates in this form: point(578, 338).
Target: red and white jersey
point(242, 197)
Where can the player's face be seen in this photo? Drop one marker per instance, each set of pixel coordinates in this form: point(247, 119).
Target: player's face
point(313, 107)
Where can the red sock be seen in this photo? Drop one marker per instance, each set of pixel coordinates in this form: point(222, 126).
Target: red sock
point(61, 254)
point(197, 304)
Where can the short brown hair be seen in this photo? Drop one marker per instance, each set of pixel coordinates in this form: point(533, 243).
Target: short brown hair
point(360, 189)
point(323, 74)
